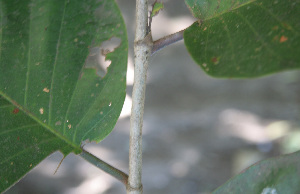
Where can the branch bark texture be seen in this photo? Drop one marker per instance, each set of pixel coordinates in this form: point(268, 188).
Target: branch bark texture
point(142, 51)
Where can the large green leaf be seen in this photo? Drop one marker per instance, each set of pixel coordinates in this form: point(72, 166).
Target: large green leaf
point(51, 100)
point(275, 175)
point(23, 144)
point(244, 38)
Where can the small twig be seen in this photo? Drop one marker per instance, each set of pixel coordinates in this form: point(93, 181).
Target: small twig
point(167, 40)
point(118, 174)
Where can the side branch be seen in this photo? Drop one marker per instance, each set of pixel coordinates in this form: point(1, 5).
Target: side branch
point(167, 40)
point(118, 174)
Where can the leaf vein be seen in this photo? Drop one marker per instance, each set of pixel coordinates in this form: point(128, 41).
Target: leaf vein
point(88, 112)
point(90, 108)
point(28, 59)
point(18, 128)
point(88, 131)
point(55, 64)
point(233, 57)
point(258, 35)
point(27, 149)
point(276, 18)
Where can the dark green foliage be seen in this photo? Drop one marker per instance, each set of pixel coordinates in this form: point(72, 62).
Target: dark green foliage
point(50, 99)
point(254, 39)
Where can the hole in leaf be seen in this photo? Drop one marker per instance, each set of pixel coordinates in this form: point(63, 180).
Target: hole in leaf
point(97, 58)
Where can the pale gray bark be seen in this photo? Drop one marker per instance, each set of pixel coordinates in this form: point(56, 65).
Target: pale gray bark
point(142, 51)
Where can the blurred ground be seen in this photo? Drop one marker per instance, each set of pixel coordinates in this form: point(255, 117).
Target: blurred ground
point(198, 131)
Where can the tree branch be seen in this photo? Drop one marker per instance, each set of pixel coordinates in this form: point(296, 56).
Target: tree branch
point(167, 40)
point(118, 174)
point(142, 51)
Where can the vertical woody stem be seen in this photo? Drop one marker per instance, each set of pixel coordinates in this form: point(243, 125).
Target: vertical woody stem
point(142, 51)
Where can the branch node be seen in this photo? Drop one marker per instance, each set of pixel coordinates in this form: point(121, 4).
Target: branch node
point(138, 189)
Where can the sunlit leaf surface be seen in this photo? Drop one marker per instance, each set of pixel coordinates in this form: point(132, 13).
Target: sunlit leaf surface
point(275, 175)
point(50, 98)
point(244, 38)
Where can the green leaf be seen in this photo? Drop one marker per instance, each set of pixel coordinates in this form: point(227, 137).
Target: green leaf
point(205, 9)
point(50, 98)
point(245, 39)
point(156, 8)
point(275, 175)
point(23, 144)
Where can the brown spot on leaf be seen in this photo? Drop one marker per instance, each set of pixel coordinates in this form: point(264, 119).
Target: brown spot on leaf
point(215, 60)
point(16, 110)
point(18, 138)
point(283, 39)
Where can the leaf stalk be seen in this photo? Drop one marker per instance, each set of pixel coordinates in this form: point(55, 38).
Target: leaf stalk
point(118, 174)
point(167, 40)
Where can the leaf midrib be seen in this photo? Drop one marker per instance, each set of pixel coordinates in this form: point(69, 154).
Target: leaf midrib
point(45, 126)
